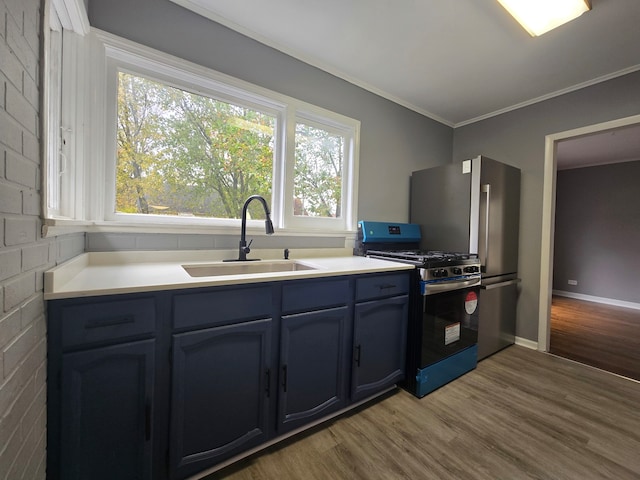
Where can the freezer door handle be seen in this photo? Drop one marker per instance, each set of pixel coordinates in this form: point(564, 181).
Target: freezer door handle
point(500, 284)
point(486, 189)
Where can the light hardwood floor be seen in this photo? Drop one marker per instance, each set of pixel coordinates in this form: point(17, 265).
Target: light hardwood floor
point(603, 336)
point(520, 414)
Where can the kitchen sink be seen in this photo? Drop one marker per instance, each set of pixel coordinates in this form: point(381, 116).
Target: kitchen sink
point(245, 268)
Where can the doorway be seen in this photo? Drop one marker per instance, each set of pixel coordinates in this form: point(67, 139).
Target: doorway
point(548, 220)
point(596, 334)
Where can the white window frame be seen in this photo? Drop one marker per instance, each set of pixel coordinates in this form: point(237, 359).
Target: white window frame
point(52, 114)
point(347, 197)
point(119, 60)
point(66, 23)
point(99, 57)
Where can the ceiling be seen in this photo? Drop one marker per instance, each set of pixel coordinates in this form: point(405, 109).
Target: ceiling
point(610, 146)
point(456, 61)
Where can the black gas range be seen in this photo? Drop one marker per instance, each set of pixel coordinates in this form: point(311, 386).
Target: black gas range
point(438, 270)
point(443, 328)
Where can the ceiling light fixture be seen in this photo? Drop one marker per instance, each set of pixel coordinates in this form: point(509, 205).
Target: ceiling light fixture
point(540, 16)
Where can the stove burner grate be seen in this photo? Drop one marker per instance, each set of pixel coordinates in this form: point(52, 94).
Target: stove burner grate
point(424, 256)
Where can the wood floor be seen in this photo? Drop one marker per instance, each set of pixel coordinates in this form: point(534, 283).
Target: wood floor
point(599, 335)
point(521, 414)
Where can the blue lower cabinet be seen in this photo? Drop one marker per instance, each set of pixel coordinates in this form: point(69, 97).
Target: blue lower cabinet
point(103, 403)
point(314, 366)
point(163, 386)
point(107, 409)
point(220, 394)
point(379, 345)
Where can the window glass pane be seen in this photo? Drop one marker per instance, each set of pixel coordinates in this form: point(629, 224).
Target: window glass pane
point(54, 98)
point(318, 172)
point(184, 154)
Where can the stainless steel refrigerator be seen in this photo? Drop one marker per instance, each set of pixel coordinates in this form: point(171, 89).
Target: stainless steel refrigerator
point(474, 206)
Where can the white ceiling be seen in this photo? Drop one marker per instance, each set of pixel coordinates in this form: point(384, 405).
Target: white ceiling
point(456, 61)
point(453, 60)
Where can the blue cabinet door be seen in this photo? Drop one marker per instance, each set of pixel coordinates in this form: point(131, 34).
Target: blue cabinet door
point(380, 339)
point(221, 390)
point(107, 410)
point(314, 366)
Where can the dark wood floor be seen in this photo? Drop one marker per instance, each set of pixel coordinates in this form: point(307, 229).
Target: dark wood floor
point(603, 336)
point(521, 414)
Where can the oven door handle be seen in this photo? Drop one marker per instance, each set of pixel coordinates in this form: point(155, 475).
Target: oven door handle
point(501, 284)
point(430, 289)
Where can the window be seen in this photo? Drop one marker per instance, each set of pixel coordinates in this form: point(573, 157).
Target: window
point(52, 100)
point(319, 158)
point(66, 23)
point(188, 155)
point(172, 143)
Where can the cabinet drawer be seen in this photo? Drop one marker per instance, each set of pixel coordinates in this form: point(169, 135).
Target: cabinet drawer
point(106, 321)
point(222, 306)
point(311, 295)
point(379, 286)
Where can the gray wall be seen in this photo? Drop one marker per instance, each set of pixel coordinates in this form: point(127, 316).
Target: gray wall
point(518, 138)
point(24, 256)
point(597, 231)
point(113, 242)
point(394, 140)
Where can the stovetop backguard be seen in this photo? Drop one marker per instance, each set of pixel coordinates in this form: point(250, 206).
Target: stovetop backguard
point(401, 241)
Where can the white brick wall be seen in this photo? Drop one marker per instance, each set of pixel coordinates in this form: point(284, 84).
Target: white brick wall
point(24, 255)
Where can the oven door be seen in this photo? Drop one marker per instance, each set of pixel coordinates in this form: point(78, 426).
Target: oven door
point(449, 323)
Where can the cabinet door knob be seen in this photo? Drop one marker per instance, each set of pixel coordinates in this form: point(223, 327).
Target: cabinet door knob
point(147, 421)
point(284, 378)
point(268, 382)
point(358, 352)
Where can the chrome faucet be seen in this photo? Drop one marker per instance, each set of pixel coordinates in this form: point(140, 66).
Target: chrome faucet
point(243, 248)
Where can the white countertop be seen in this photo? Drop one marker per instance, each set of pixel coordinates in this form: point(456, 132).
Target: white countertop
point(105, 273)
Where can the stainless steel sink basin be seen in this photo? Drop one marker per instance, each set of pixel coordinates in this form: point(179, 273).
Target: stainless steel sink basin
point(245, 268)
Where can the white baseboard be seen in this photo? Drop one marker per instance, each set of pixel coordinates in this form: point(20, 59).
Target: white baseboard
point(591, 298)
point(525, 342)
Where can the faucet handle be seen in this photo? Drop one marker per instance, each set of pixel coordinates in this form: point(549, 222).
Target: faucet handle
point(247, 248)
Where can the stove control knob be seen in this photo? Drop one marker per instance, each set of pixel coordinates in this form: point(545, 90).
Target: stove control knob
point(439, 272)
point(472, 269)
point(457, 271)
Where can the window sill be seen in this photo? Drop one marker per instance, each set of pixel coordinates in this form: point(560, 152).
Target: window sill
point(53, 227)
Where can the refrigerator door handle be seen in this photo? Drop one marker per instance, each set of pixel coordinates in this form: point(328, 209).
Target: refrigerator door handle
point(486, 189)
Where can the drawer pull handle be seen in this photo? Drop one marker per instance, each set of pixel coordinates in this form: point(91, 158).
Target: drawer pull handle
point(387, 286)
point(109, 322)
